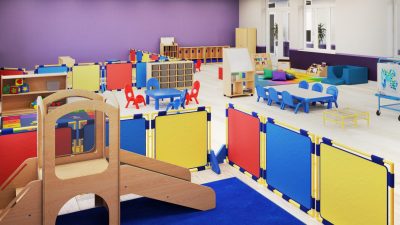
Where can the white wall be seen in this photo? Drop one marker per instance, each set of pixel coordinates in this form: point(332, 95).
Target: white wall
point(296, 24)
point(364, 27)
point(252, 14)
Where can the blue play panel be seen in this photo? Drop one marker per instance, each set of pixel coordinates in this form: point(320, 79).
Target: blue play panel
point(237, 204)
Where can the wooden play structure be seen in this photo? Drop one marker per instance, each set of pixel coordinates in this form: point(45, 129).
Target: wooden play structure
point(38, 189)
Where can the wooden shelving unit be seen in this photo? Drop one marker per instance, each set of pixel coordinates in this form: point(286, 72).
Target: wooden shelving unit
point(169, 50)
point(172, 74)
point(262, 61)
point(16, 104)
point(204, 53)
point(246, 38)
point(238, 73)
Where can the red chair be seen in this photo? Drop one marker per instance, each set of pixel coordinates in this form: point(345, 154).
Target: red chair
point(198, 65)
point(193, 93)
point(130, 97)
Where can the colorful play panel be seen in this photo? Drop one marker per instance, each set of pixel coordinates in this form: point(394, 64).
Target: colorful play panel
point(16, 148)
point(329, 181)
point(354, 186)
point(289, 162)
point(234, 198)
point(86, 77)
point(244, 140)
point(43, 69)
point(182, 138)
point(118, 74)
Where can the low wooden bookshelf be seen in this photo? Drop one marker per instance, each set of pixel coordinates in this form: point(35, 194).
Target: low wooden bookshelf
point(39, 85)
point(204, 53)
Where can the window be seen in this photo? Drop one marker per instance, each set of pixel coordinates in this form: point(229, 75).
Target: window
point(318, 25)
point(278, 35)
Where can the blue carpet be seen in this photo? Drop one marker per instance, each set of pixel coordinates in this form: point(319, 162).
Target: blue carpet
point(237, 203)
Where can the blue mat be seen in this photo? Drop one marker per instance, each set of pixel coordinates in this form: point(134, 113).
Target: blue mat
point(237, 203)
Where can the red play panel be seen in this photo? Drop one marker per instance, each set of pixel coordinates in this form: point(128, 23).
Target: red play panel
point(16, 148)
point(118, 75)
point(244, 141)
point(7, 72)
point(11, 72)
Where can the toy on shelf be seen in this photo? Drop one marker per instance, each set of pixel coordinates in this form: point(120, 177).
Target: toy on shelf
point(36, 191)
point(6, 89)
point(24, 88)
point(19, 82)
point(54, 104)
point(34, 104)
point(319, 70)
point(14, 90)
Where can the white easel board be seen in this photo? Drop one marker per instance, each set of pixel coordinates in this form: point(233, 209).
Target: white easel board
point(389, 79)
point(239, 59)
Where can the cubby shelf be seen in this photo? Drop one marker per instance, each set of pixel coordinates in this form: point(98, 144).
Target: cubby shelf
point(173, 74)
point(204, 53)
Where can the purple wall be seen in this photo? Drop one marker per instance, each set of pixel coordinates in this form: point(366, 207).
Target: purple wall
point(38, 31)
point(303, 59)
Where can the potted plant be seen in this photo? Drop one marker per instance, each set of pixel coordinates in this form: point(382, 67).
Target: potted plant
point(321, 35)
point(275, 33)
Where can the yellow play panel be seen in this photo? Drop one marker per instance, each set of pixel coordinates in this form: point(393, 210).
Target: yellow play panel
point(86, 77)
point(181, 139)
point(353, 190)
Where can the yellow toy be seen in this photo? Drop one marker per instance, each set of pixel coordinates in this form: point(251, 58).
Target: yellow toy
point(19, 82)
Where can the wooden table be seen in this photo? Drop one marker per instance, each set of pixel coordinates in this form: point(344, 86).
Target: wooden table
point(307, 96)
point(158, 94)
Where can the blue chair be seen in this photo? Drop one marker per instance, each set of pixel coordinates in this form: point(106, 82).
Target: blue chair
point(317, 87)
point(332, 90)
point(261, 93)
point(287, 100)
point(152, 83)
point(178, 102)
point(273, 96)
point(304, 84)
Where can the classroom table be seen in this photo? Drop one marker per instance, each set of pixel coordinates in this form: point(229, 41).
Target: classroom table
point(158, 94)
point(307, 96)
